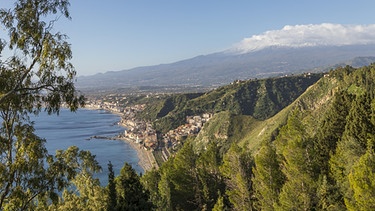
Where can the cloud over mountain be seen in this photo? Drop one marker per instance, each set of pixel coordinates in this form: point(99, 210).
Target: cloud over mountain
point(300, 48)
point(325, 34)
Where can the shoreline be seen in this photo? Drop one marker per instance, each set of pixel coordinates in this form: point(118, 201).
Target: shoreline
point(146, 159)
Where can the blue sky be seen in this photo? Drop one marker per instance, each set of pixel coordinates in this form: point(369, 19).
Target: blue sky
point(121, 34)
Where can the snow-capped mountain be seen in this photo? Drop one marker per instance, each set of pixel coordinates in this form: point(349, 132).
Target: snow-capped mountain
point(292, 49)
point(311, 35)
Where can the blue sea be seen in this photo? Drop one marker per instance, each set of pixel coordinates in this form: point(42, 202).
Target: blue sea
point(76, 128)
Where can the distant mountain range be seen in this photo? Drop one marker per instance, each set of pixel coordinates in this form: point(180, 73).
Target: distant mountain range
point(255, 57)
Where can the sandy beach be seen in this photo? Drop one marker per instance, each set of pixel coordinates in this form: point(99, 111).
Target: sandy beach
point(146, 158)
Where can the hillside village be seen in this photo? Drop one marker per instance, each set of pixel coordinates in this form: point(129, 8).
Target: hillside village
point(141, 132)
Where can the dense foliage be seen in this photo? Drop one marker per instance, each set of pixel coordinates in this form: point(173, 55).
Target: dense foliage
point(321, 158)
point(36, 73)
point(329, 168)
point(258, 98)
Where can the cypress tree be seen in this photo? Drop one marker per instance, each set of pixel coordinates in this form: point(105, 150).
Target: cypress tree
point(112, 196)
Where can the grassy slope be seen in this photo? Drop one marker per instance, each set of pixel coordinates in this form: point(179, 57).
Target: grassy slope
point(313, 102)
point(258, 98)
point(226, 128)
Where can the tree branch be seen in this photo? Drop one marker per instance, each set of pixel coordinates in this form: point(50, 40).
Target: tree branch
point(23, 77)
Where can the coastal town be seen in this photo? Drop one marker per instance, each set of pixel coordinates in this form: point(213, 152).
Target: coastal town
point(152, 147)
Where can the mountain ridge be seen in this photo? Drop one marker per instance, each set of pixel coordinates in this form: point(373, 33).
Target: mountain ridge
point(221, 68)
point(318, 148)
point(291, 49)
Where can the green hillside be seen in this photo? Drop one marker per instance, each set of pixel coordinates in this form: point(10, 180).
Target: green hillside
point(260, 99)
point(313, 102)
point(317, 153)
point(225, 128)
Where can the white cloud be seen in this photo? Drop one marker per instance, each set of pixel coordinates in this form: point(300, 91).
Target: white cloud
point(325, 34)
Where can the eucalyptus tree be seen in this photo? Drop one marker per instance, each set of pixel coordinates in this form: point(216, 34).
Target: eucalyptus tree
point(35, 74)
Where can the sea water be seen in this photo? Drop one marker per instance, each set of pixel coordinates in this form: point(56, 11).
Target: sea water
point(78, 128)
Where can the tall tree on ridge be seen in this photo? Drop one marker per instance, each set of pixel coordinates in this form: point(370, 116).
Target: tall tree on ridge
point(112, 195)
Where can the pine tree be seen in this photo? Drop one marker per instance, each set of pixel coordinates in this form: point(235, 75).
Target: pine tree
point(268, 178)
point(299, 190)
point(209, 175)
point(236, 170)
point(130, 193)
point(329, 134)
point(362, 181)
point(328, 194)
point(219, 205)
point(165, 187)
point(359, 121)
point(150, 181)
point(331, 129)
point(186, 192)
point(352, 144)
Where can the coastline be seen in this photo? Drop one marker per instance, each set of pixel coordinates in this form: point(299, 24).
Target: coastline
point(146, 159)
